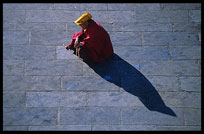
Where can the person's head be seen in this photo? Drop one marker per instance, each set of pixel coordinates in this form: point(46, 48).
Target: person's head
point(83, 21)
point(85, 24)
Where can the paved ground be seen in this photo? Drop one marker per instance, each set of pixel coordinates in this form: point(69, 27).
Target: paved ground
point(153, 81)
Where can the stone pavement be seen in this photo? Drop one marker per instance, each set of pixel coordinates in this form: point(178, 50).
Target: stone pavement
point(153, 81)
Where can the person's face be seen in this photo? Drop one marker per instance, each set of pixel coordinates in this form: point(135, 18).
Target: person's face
point(84, 25)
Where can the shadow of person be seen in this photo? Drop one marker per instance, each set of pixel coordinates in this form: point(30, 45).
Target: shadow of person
point(121, 73)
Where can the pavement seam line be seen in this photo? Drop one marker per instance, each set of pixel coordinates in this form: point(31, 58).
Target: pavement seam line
point(58, 117)
point(29, 37)
point(24, 71)
point(173, 27)
point(120, 115)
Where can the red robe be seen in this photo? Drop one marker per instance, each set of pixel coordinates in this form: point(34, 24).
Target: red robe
point(96, 43)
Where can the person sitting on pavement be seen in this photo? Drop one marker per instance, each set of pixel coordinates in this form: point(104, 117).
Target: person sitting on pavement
point(93, 43)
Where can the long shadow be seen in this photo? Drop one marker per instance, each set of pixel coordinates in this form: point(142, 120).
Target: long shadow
point(121, 73)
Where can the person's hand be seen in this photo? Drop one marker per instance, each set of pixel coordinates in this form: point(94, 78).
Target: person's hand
point(76, 43)
point(65, 46)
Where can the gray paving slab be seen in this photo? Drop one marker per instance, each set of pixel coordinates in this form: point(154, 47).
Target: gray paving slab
point(192, 116)
point(13, 15)
point(51, 16)
point(14, 100)
point(55, 99)
point(27, 6)
point(15, 37)
point(185, 52)
point(61, 128)
point(141, 116)
point(8, 52)
point(117, 99)
point(171, 99)
point(82, 6)
point(180, 6)
point(13, 67)
point(195, 15)
point(50, 38)
point(113, 16)
point(9, 26)
point(144, 52)
point(53, 67)
point(187, 27)
point(42, 26)
point(134, 26)
point(89, 115)
point(174, 67)
point(63, 53)
point(123, 127)
point(170, 38)
point(164, 83)
point(161, 16)
point(178, 128)
point(15, 128)
point(29, 116)
point(133, 6)
point(191, 83)
point(25, 52)
point(31, 83)
point(88, 83)
point(192, 100)
point(125, 38)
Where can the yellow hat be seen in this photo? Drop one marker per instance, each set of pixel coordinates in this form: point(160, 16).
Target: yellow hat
point(83, 18)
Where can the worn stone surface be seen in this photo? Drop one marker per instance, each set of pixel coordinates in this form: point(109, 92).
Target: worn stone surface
point(192, 116)
point(42, 26)
point(90, 115)
point(195, 15)
point(133, 6)
point(33, 52)
point(187, 52)
point(192, 100)
point(170, 38)
point(180, 6)
point(51, 15)
point(191, 83)
point(187, 27)
point(170, 67)
point(178, 128)
point(13, 99)
point(53, 67)
point(152, 82)
point(141, 116)
point(144, 52)
point(131, 26)
point(117, 99)
point(29, 116)
point(113, 16)
point(15, 37)
point(171, 99)
point(50, 38)
point(15, 128)
point(82, 6)
point(55, 99)
point(13, 67)
point(31, 83)
point(89, 83)
point(125, 38)
point(164, 83)
point(26, 6)
point(123, 127)
point(161, 16)
point(61, 128)
point(13, 15)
